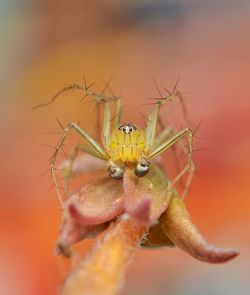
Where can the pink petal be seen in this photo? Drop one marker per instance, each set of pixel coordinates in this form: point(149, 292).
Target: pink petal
point(97, 202)
point(142, 211)
point(71, 232)
point(83, 164)
point(183, 233)
point(145, 198)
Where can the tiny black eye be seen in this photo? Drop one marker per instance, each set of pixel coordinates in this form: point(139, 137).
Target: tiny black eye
point(130, 129)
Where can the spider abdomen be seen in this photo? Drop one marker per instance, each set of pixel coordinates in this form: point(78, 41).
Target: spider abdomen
point(127, 146)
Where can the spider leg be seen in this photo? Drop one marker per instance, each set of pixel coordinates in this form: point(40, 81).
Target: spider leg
point(67, 167)
point(118, 108)
point(164, 146)
point(95, 149)
point(117, 101)
point(114, 170)
point(154, 118)
point(106, 129)
point(189, 167)
point(152, 124)
point(176, 93)
point(189, 179)
point(65, 89)
point(99, 97)
point(67, 173)
point(163, 136)
point(151, 129)
point(97, 152)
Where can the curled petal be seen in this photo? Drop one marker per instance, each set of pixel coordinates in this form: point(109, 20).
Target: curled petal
point(72, 232)
point(103, 270)
point(145, 198)
point(97, 202)
point(178, 227)
point(69, 236)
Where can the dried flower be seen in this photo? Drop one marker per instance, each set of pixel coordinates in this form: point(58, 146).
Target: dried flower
point(134, 212)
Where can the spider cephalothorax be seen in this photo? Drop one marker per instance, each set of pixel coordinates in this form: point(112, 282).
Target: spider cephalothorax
point(126, 147)
point(124, 144)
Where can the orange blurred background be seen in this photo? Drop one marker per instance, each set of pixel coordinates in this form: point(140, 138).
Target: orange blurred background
point(47, 44)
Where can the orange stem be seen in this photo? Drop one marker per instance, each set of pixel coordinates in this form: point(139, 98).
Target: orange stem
point(103, 270)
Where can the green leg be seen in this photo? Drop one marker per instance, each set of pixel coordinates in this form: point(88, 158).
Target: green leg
point(97, 151)
point(67, 170)
point(106, 124)
point(154, 116)
point(189, 167)
point(153, 120)
point(117, 117)
point(162, 137)
point(164, 146)
point(117, 107)
point(97, 96)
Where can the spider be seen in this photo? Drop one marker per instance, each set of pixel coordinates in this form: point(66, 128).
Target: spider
point(124, 144)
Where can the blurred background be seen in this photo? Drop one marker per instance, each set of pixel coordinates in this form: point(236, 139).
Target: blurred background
point(46, 45)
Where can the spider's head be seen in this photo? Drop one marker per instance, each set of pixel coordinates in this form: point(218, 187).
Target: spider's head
point(127, 128)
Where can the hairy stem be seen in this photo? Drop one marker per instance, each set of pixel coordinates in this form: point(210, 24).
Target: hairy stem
point(103, 270)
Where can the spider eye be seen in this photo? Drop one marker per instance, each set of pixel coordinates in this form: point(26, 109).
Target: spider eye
point(116, 172)
point(141, 169)
point(127, 128)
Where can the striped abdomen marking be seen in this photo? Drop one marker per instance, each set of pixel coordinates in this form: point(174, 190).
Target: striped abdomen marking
point(127, 146)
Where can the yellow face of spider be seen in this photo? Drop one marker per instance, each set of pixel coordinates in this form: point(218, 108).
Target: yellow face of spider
point(127, 143)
